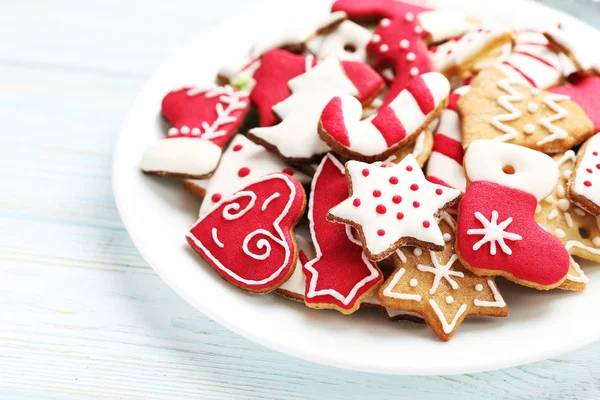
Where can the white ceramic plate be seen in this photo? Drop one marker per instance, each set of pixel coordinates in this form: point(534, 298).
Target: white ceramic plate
point(158, 213)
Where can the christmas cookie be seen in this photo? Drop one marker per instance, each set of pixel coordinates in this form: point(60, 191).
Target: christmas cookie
point(577, 47)
point(347, 41)
point(584, 184)
point(421, 149)
point(293, 288)
point(497, 232)
point(394, 126)
point(445, 166)
point(203, 122)
point(584, 90)
point(437, 287)
point(457, 58)
point(532, 61)
point(341, 275)
point(393, 207)
point(503, 109)
point(574, 227)
point(243, 162)
point(248, 236)
point(373, 10)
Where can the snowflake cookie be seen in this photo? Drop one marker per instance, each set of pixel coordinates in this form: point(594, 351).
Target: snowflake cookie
point(497, 231)
point(393, 207)
point(437, 287)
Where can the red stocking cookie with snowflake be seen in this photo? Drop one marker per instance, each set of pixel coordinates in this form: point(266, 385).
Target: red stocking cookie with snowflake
point(203, 122)
point(393, 127)
point(497, 231)
point(247, 237)
point(341, 275)
point(437, 287)
point(393, 207)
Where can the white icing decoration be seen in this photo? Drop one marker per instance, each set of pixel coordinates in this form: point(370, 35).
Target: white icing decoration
point(376, 38)
point(269, 200)
point(532, 107)
point(412, 222)
point(553, 214)
point(578, 47)
point(297, 136)
point(296, 284)
point(589, 161)
point(535, 91)
point(401, 256)
point(443, 25)
point(334, 42)
point(215, 238)
point(447, 237)
point(569, 219)
point(384, 48)
point(549, 199)
point(563, 204)
point(385, 22)
point(573, 243)
point(560, 190)
point(556, 133)
point(498, 300)
point(479, 287)
point(535, 172)
point(493, 232)
point(538, 208)
point(528, 129)
point(447, 327)
point(417, 252)
point(388, 291)
point(180, 156)
point(441, 272)
point(419, 145)
point(505, 101)
point(596, 241)
point(449, 299)
point(559, 233)
point(413, 282)
point(261, 243)
point(411, 56)
point(404, 44)
point(580, 277)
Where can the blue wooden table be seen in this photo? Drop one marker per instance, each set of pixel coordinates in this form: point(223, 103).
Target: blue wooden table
point(81, 313)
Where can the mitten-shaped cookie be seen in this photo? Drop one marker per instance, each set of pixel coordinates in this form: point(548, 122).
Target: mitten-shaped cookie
point(497, 232)
point(203, 122)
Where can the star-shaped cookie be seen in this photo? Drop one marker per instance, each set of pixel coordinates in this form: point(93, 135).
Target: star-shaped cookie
point(436, 286)
point(393, 206)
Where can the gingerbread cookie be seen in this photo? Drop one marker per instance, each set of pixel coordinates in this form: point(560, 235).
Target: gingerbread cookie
point(584, 184)
point(574, 227)
point(243, 162)
point(248, 236)
point(421, 149)
point(437, 287)
point(340, 276)
point(503, 109)
point(577, 47)
point(445, 166)
point(393, 207)
point(584, 90)
point(457, 58)
point(497, 232)
point(203, 122)
point(347, 41)
point(394, 126)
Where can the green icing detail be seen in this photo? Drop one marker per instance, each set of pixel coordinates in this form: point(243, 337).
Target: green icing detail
point(241, 81)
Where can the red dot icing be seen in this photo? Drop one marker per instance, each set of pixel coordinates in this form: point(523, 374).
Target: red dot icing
point(598, 166)
point(244, 171)
point(376, 193)
point(380, 209)
point(409, 168)
point(383, 165)
point(414, 187)
point(589, 170)
point(416, 204)
point(397, 199)
point(595, 153)
point(381, 232)
point(365, 172)
point(393, 180)
point(356, 202)
point(426, 224)
point(400, 215)
point(288, 171)
point(237, 147)
point(215, 197)
point(587, 183)
point(438, 191)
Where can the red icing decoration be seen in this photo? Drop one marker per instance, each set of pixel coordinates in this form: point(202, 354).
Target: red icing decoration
point(538, 258)
point(340, 263)
point(244, 171)
point(216, 197)
point(414, 187)
point(584, 91)
point(381, 232)
point(394, 180)
point(426, 224)
point(333, 121)
point(438, 192)
point(388, 124)
point(237, 147)
point(369, 10)
point(409, 168)
point(365, 172)
point(587, 183)
point(397, 199)
point(416, 204)
point(448, 147)
point(400, 215)
point(380, 209)
point(422, 95)
point(221, 242)
point(288, 171)
point(400, 31)
point(278, 66)
point(356, 202)
point(376, 193)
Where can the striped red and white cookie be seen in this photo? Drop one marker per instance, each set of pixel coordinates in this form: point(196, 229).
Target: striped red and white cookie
point(445, 165)
point(394, 126)
point(203, 122)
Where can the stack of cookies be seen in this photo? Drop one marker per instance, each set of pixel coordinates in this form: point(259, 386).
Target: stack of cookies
point(395, 157)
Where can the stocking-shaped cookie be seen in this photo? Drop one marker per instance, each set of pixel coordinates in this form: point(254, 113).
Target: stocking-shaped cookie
point(504, 109)
point(584, 184)
point(393, 207)
point(341, 275)
point(497, 232)
point(445, 166)
point(203, 122)
point(393, 127)
point(243, 162)
point(574, 227)
point(278, 67)
point(437, 287)
point(247, 237)
point(532, 61)
point(584, 90)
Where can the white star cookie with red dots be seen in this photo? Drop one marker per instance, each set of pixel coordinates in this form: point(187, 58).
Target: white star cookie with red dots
point(243, 162)
point(393, 207)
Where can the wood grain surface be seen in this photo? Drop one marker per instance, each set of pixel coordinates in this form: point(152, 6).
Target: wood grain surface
point(81, 313)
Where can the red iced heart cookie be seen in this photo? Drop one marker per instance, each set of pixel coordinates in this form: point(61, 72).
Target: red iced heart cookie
point(247, 238)
point(203, 122)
